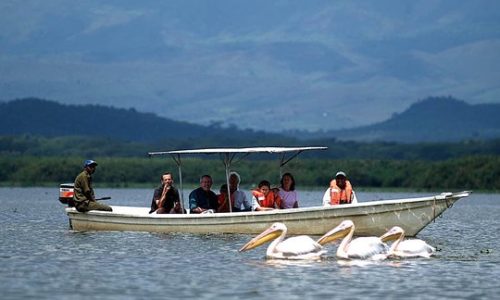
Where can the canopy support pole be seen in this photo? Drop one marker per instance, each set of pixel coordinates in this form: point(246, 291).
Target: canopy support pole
point(227, 165)
point(284, 161)
point(177, 160)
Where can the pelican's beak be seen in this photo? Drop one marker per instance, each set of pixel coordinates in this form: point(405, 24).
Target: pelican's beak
point(266, 236)
point(391, 235)
point(334, 234)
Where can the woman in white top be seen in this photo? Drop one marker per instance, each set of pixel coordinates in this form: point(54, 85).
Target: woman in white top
point(287, 192)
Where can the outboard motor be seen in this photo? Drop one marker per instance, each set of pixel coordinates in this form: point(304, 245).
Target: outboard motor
point(66, 191)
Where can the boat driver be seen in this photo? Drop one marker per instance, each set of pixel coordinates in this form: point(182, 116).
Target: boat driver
point(84, 193)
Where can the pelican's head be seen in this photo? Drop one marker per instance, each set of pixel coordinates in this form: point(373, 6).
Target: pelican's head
point(336, 233)
point(268, 235)
point(393, 234)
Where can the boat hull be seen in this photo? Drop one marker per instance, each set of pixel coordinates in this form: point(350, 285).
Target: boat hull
point(371, 218)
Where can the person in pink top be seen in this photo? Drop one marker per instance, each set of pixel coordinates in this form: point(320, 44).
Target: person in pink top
point(287, 192)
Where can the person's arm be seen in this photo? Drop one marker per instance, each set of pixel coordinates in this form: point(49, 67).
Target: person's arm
point(92, 194)
point(177, 199)
point(193, 204)
point(176, 208)
point(277, 200)
point(255, 203)
point(354, 199)
point(326, 197)
point(193, 201)
point(222, 203)
point(86, 190)
point(163, 198)
point(296, 204)
point(154, 204)
point(246, 203)
point(198, 210)
point(256, 206)
point(171, 198)
point(213, 201)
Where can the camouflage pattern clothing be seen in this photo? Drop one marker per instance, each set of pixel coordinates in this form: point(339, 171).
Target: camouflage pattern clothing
point(84, 194)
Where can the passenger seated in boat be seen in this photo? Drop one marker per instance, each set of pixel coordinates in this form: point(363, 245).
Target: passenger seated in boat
point(265, 199)
point(340, 191)
point(241, 202)
point(166, 197)
point(222, 199)
point(287, 192)
point(203, 199)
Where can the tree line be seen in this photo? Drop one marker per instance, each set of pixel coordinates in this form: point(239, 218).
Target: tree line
point(479, 172)
point(30, 145)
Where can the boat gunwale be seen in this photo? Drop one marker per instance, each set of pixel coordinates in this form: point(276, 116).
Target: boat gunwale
point(289, 211)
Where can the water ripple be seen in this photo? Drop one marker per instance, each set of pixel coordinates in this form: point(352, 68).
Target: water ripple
point(41, 258)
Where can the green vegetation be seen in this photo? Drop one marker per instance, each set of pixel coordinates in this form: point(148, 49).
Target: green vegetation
point(467, 173)
point(43, 142)
point(33, 161)
point(82, 146)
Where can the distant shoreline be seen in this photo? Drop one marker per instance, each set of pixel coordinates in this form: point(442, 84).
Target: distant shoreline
point(215, 188)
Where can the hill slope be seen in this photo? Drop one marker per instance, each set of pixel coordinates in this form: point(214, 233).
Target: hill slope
point(441, 119)
point(50, 119)
point(432, 120)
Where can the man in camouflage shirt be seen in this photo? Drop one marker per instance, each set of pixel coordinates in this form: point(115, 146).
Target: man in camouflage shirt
point(84, 193)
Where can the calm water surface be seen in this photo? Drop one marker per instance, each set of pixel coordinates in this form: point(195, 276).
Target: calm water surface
point(40, 258)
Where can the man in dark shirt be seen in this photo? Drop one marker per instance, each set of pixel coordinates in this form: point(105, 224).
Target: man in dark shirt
point(202, 198)
point(166, 197)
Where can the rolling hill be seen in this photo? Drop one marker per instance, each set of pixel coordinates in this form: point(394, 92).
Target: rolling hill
point(32, 116)
point(438, 119)
point(435, 119)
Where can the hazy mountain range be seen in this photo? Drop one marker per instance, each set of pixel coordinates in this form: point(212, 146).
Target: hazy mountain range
point(265, 65)
point(40, 117)
point(431, 120)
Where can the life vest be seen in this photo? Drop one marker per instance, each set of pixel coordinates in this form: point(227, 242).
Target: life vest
point(271, 200)
point(223, 207)
point(338, 196)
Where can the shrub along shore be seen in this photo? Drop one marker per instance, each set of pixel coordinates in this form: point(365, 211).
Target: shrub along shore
point(465, 173)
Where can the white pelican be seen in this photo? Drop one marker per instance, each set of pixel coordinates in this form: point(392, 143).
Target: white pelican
point(297, 247)
point(406, 248)
point(360, 248)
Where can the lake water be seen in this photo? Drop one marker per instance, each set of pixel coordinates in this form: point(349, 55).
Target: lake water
point(40, 258)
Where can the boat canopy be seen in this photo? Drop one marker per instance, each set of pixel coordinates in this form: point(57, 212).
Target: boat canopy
point(240, 150)
point(229, 155)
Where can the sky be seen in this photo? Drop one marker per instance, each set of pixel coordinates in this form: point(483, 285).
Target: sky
point(265, 65)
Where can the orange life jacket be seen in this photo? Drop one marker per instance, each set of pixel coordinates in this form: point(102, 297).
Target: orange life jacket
point(271, 200)
point(338, 196)
point(223, 205)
